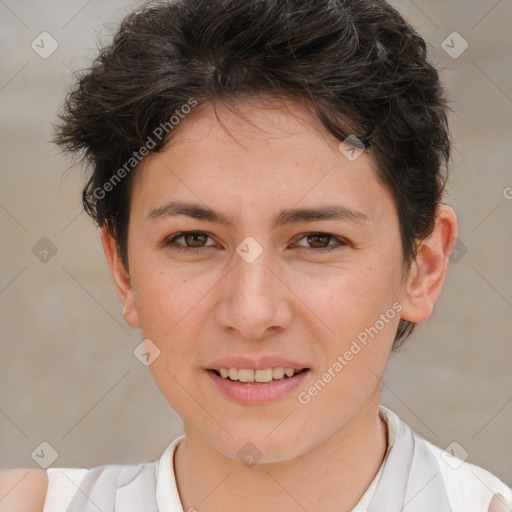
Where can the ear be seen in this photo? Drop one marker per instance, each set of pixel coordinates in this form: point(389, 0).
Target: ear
point(120, 277)
point(428, 271)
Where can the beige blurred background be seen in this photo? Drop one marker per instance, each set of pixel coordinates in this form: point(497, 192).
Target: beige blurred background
point(68, 375)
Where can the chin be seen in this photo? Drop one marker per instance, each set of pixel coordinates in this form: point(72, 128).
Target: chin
point(248, 445)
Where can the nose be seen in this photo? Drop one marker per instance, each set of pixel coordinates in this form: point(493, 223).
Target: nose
point(256, 302)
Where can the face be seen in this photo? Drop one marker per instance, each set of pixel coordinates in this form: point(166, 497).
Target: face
point(261, 285)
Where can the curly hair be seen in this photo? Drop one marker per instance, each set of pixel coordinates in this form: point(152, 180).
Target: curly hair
point(357, 65)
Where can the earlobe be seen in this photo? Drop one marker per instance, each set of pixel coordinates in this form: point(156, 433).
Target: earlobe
point(120, 277)
point(428, 271)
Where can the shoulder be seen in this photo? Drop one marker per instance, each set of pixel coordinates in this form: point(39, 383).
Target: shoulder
point(23, 489)
point(470, 487)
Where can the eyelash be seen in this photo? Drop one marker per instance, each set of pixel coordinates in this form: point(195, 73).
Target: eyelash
point(196, 250)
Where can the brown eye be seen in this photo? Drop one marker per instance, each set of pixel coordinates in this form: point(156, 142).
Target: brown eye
point(320, 242)
point(194, 239)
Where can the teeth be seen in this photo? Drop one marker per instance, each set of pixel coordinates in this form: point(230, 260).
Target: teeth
point(247, 375)
point(278, 373)
point(263, 375)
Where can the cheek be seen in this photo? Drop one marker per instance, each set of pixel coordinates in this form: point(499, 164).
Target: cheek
point(162, 298)
point(169, 306)
point(172, 307)
point(348, 299)
point(356, 308)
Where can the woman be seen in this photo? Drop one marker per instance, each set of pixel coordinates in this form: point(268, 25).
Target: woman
point(267, 176)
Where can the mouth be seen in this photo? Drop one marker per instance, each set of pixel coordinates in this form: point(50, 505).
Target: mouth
point(258, 377)
point(257, 387)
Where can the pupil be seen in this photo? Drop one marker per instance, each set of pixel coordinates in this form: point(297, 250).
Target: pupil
point(194, 235)
point(324, 237)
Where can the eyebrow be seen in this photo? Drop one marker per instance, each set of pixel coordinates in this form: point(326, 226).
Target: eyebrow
point(287, 216)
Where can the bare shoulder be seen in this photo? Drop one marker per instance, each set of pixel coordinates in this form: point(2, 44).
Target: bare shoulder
point(23, 489)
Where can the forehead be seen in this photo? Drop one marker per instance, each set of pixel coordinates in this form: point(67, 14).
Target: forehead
point(250, 124)
point(261, 154)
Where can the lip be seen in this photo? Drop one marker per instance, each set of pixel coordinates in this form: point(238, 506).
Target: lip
point(261, 364)
point(247, 393)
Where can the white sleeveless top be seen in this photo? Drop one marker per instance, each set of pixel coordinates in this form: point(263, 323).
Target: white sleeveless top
point(415, 476)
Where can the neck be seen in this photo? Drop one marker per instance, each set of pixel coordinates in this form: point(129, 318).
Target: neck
point(331, 477)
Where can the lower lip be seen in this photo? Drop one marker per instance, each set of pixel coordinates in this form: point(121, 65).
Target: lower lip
point(250, 394)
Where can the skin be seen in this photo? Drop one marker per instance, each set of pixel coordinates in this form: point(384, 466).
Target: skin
point(23, 489)
point(292, 301)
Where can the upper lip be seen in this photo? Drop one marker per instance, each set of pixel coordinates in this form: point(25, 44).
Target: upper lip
point(260, 364)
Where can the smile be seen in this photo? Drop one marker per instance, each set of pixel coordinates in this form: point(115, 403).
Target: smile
point(252, 387)
point(257, 376)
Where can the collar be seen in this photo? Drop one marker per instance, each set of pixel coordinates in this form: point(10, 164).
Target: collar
point(410, 481)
